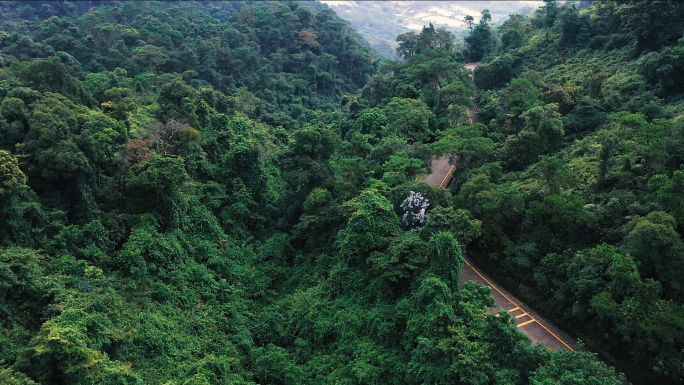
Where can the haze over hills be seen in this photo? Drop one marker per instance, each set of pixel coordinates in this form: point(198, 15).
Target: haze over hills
point(381, 21)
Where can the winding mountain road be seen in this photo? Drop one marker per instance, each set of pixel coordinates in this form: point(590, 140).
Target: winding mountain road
point(529, 322)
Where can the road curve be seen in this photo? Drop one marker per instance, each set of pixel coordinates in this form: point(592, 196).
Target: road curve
point(442, 171)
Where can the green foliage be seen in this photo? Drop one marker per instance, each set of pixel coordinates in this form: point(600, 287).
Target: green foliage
point(653, 241)
point(51, 75)
point(149, 55)
point(446, 258)
point(17, 203)
point(176, 101)
point(521, 96)
point(556, 173)
point(409, 119)
point(156, 185)
point(542, 134)
point(546, 122)
point(480, 40)
point(317, 199)
point(23, 285)
point(370, 226)
point(71, 342)
point(13, 180)
point(429, 74)
point(511, 39)
point(400, 168)
point(202, 193)
point(585, 117)
point(149, 252)
point(455, 222)
point(404, 258)
point(496, 73)
point(581, 206)
point(10, 377)
point(371, 122)
point(467, 143)
point(668, 191)
point(579, 368)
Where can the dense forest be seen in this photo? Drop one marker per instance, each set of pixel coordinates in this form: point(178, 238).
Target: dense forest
point(580, 191)
point(225, 193)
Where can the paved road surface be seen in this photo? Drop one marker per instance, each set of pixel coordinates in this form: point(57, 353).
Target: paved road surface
point(442, 169)
point(530, 323)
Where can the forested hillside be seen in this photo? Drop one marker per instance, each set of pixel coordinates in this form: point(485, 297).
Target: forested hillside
point(580, 193)
point(224, 193)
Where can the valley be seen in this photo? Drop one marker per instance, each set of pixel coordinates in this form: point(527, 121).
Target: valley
point(380, 21)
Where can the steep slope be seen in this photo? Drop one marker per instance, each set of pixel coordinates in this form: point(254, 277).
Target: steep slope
point(289, 58)
point(202, 193)
point(578, 199)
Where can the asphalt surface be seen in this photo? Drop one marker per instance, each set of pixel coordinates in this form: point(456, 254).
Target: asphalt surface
point(536, 328)
point(442, 171)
